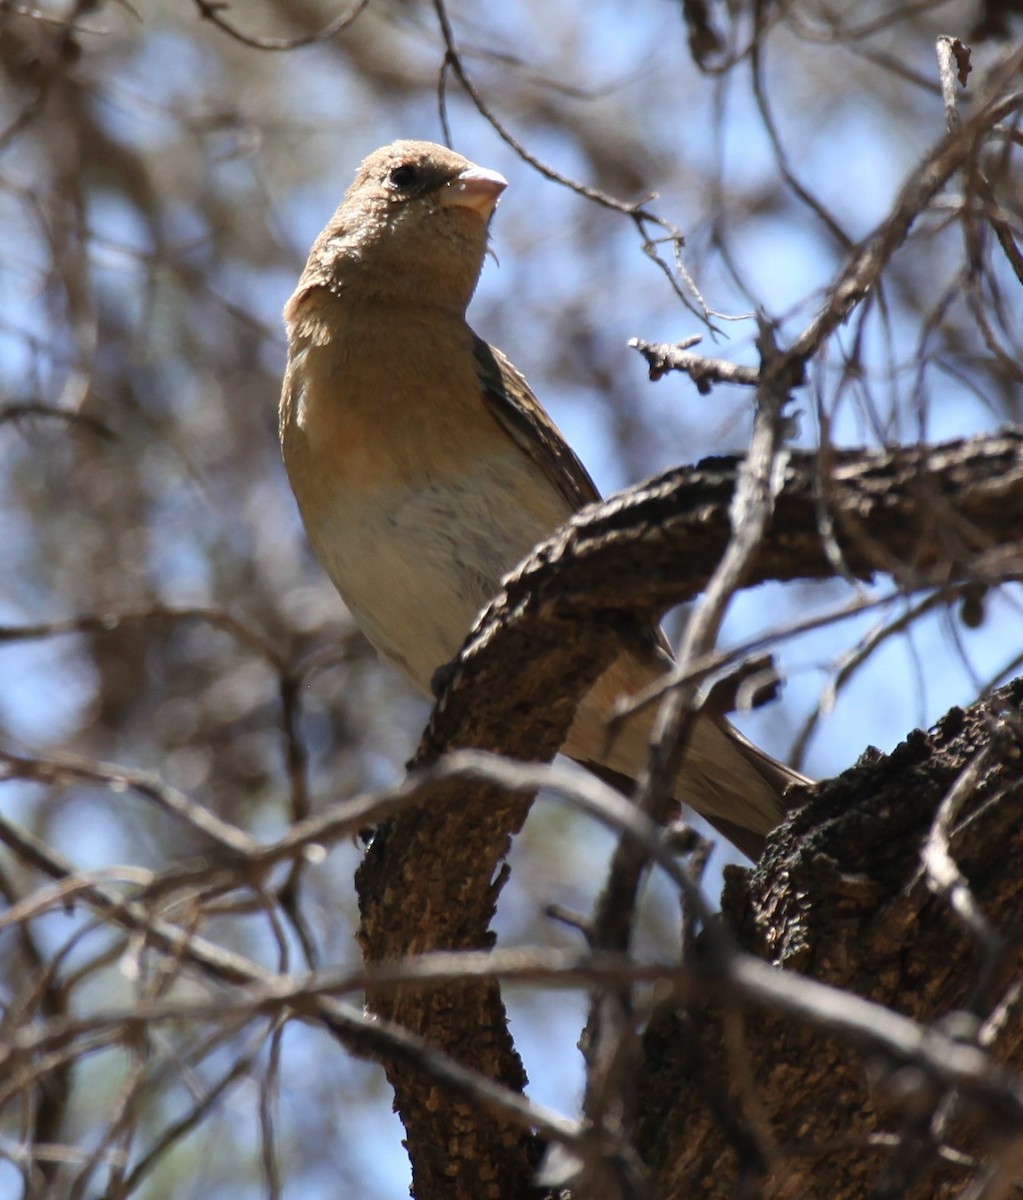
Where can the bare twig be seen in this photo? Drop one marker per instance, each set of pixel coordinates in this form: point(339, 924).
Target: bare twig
point(213, 11)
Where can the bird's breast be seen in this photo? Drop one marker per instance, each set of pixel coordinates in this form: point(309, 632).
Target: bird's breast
point(416, 564)
point(415, 501)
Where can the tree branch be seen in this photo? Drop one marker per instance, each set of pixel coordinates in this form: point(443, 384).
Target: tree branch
point(431, 878)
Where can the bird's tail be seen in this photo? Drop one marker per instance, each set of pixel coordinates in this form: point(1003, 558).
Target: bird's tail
point(742, 791)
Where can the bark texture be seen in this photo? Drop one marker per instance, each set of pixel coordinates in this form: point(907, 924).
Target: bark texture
point(838, 896)
point(841, 896)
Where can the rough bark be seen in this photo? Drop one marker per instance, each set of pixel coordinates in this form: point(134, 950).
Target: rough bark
point(840, 896)
point(931, 516)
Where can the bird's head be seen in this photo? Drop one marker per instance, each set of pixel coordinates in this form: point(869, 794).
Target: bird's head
point(411, 227)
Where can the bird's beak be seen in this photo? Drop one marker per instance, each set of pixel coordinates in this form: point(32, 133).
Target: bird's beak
point(475, 188)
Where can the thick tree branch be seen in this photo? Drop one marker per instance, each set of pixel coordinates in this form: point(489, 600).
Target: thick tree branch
point(842, 895)
point(431, 879)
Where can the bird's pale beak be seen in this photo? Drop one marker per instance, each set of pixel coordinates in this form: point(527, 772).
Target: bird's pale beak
point(475, 188)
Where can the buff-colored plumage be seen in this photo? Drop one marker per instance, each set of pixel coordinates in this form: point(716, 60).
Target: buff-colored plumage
point(425, 469)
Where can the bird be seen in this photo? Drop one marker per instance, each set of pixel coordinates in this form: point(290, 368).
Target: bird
point(425, 469)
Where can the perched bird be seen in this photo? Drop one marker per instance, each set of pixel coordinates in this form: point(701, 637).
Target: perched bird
point(425, 468)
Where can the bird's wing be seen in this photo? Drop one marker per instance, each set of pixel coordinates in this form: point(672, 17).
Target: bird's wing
point(523, 418)
point(519, 413)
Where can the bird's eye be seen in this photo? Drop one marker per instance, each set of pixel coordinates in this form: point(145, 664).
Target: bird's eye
point(404, 176)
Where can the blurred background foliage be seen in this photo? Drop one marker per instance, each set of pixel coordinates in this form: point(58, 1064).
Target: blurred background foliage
point(160, 182)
